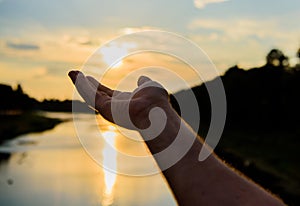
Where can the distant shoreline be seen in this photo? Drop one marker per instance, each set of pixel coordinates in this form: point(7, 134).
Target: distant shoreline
point(14, 125)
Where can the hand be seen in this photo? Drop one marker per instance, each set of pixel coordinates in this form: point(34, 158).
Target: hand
point(137, 104)
point(187, 177)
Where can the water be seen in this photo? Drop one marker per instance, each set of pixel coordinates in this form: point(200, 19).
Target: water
point(52, 168)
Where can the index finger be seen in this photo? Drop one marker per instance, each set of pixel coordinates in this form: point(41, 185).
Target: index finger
point(84, 88)
point(101, 87)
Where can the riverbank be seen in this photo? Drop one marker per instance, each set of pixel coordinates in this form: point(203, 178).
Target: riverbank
point(13, 125)
point(270, 158)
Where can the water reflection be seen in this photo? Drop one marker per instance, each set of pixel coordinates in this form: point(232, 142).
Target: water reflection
point(57, 171)
point(109, 158)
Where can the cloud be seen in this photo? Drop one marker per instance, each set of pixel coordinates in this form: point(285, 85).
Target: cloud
point(22, 46)
point(237, 29)
point(80, 40)
point(242, 40)
point(200, 4)
point(130, 30)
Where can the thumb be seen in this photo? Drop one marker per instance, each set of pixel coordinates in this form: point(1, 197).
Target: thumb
point(142, 80)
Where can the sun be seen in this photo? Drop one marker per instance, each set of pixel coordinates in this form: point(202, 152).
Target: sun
point(113, 54)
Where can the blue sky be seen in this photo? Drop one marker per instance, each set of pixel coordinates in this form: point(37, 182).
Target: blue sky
point(40, 40)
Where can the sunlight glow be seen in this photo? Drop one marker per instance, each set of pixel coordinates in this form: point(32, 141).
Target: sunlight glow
point(113, 54)
point(109, 158)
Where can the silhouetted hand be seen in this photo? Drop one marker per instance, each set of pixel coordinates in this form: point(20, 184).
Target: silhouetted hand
point(187, 177)
point(137, 104)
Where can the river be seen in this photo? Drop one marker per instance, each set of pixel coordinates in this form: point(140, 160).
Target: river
point(53, 168)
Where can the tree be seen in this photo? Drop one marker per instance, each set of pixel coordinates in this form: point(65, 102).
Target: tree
point(276, 58)
point(19, 89)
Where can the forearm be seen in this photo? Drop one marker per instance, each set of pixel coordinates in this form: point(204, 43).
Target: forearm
point(209, 182)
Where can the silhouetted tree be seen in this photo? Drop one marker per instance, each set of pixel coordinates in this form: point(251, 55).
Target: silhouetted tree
point(297, 66)
point(276, 58)
point(19, 89)
point(15, 99)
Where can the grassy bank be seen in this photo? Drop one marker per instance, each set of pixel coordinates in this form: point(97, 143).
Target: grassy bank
point(270, 158)
point(14, 125)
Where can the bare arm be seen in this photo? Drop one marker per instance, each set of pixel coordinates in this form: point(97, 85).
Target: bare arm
point(210, 182)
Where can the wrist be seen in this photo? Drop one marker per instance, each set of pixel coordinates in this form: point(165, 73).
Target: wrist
point(168, 134)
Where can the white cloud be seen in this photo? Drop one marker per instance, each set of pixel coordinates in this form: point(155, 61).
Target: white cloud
point(130, 30)
point(200, 4)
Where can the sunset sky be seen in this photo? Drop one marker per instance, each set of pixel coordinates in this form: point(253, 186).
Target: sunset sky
point(41, 40)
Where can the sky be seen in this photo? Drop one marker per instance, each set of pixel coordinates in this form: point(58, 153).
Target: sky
point(41, 40)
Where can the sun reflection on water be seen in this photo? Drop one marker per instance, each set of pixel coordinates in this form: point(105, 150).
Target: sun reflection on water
point(109, 158)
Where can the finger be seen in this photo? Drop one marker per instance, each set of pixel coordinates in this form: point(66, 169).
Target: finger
point(101, 87)
point(142, 80)
point(147, 83)
point(93, 81)
point(103, 105)
point(98, 100)
point(73, 75)
point(85, 89)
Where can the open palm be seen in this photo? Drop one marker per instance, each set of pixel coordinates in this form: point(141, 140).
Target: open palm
point(127, 109)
